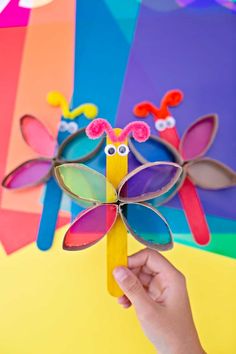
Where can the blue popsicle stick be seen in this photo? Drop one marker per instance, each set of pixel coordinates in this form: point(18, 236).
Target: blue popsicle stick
point(52, 201)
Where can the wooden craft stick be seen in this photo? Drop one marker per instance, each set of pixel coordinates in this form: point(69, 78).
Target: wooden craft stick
point(116, 170)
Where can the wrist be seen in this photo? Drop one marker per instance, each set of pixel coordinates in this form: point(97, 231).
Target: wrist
point(183, 349)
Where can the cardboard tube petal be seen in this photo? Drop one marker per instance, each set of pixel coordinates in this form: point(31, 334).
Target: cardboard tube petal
point(37, 136)
point(211, 174)
point(28, 174)
point(198, 137)
point(90, 226)
point(147, 225)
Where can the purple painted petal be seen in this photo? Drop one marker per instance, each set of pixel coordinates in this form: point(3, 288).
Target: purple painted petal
point(37, 136)
point(149, 181)
point(198, 137)
point(30, 173)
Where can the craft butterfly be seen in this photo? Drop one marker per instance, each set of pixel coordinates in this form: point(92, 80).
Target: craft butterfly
point(188, 152)
point(37, 171)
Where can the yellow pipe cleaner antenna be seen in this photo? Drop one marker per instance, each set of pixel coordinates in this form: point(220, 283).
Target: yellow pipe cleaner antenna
point(56, 99)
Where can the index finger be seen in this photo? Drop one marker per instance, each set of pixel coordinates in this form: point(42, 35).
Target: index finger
point(153, 260)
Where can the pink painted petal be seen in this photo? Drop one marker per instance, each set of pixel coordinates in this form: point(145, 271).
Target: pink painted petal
point(37, 136)
point(30, 173)
point(90, 227)
point(211, 174)
point(198, 137)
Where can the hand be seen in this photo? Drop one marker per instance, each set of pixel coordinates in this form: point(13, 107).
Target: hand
point(159, 294)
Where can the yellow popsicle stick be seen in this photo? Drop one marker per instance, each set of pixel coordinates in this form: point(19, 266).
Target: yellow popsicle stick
point(56, 99)
point(116, 169)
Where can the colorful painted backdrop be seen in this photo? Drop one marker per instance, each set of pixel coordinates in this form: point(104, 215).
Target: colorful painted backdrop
point(113, 54)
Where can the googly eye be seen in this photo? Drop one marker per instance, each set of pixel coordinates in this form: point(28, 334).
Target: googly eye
point(63, 126)
point(160, 125)
point(72, 127)
point(123, 150)
point(170, 122)
point(110, 150)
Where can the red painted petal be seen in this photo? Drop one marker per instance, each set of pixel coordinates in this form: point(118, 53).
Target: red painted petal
point(198, 137)
point(90, 227)
point(37, 136)
point(30, 173)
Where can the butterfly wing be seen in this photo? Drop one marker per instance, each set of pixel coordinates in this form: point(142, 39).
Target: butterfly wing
point(85, 184)
point(153, 150)
point(79, 148)
point(147, 225)
point(198, 137)
point(210, 174)
point(165, 197)
point(29, 174)
point(149, 181)
point(90, 226)
point(37, 136)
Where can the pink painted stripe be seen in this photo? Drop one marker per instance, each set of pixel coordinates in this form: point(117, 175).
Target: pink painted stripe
point(12, 42)
point(14, 16)
point(11, 45)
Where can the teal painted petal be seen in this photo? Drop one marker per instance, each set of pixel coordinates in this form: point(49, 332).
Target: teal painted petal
point(79, 147)
point(147, 225)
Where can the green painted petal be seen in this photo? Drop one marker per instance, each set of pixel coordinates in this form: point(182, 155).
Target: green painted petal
point(84, 183)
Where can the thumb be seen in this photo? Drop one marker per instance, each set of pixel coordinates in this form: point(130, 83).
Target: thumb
point(132, 287)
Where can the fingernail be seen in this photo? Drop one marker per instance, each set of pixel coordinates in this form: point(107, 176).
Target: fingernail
point(120, 273)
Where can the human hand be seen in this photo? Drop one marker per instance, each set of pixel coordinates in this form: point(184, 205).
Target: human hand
point(159, 294)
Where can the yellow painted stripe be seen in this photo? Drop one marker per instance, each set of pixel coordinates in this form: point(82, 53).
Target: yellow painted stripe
point(116, 169)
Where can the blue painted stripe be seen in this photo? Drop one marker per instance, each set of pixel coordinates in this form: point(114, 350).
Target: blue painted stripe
point(102, 45)
point(103, 40)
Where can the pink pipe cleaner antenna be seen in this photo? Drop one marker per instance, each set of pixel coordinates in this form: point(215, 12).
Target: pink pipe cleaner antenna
point(139, 130)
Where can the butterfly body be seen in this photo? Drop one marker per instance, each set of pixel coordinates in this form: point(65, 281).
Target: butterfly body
point(116, 170)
